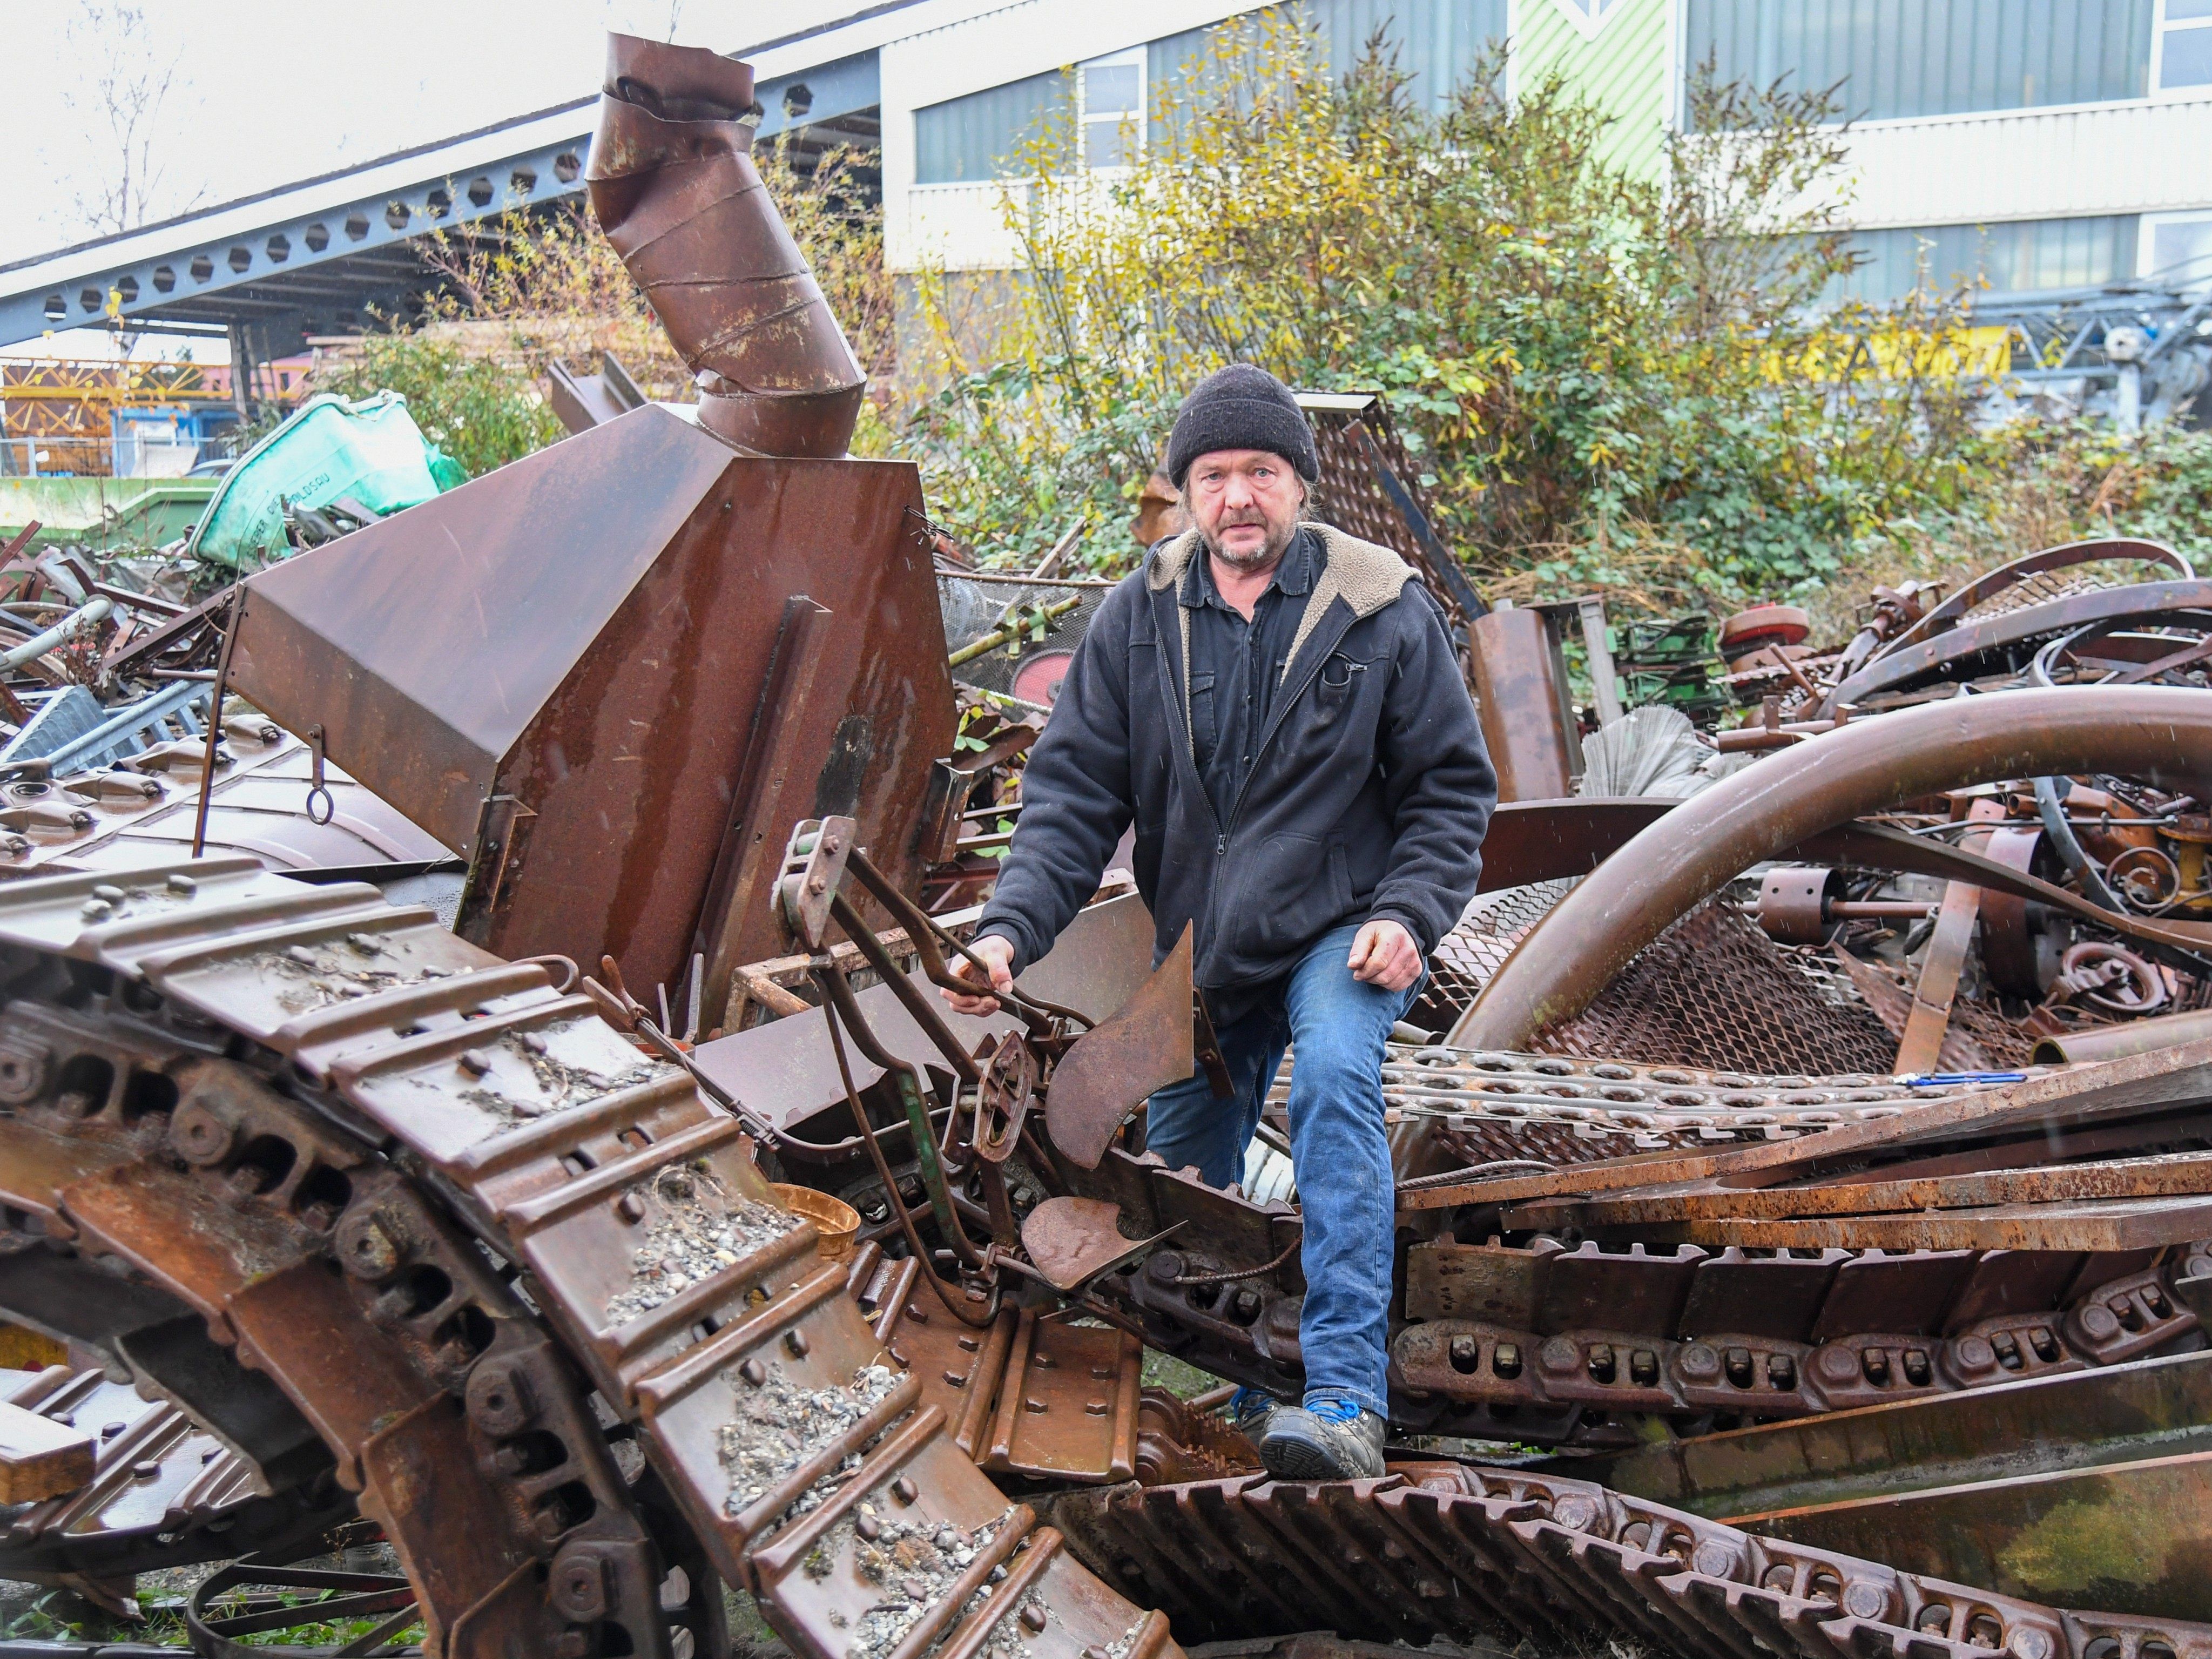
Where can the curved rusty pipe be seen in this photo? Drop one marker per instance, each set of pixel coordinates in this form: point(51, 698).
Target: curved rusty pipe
point(674, 188)
point(2162, 734)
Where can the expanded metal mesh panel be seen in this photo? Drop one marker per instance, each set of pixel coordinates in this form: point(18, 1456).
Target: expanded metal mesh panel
point(1977, 1037)
point(1466, 957)
point(1350, 495)
point(1347, 493)
point(1715, 991)
point(2062, 583)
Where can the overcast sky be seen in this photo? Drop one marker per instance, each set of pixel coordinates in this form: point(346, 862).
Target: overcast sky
point(265, 92)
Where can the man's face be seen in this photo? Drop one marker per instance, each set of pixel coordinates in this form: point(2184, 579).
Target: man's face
point(1245, 503)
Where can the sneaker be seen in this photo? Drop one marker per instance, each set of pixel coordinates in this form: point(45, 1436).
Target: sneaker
point(1318, 1445)
point(1249, 1410)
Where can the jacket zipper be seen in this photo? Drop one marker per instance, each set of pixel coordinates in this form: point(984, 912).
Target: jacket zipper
point(1274, 724)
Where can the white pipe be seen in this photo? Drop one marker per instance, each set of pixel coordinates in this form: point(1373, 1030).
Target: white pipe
point(84, 616)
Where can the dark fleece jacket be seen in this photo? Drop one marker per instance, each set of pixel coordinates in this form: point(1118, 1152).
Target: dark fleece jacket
point(1367, 797)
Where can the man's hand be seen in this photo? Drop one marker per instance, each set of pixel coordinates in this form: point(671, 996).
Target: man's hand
point(1384, 954)
point(998, 953)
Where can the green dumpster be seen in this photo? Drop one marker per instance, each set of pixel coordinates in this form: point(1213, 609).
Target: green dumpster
point(371, 450)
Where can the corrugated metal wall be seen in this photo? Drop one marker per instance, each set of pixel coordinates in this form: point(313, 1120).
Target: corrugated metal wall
point(1436, 42)
point(2026, 255)
point(1913, 57)
point(966, 139)
point(2032, 164)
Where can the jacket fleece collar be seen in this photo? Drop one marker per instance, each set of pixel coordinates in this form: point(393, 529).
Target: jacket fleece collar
point(1364, 576)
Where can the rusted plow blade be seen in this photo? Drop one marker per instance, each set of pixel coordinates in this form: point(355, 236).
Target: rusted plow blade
point(1110, 1071)
point(1072, 1241)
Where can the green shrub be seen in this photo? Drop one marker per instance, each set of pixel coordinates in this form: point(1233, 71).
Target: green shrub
point(1602, 377)
point(482, 411)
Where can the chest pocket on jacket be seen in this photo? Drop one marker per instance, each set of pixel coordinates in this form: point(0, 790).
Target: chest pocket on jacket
point(1205, 723)
point(1334, 686)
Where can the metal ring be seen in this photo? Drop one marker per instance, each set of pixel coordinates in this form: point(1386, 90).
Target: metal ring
point(2150, 862)
point(330, 804)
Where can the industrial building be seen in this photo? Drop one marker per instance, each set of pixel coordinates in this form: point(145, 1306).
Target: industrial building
point(2035, 147)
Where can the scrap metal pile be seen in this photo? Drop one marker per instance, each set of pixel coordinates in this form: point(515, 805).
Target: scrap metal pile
point(106, 691)
point(376, 1221)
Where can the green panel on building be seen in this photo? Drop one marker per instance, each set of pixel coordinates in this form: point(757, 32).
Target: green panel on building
point(1621, 69)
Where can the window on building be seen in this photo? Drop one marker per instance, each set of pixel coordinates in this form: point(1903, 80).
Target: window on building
point(2018, 257)
point(1113, 110)
point(1436, 44)
point(2184, 44)
point(964, 140)
point(1899, 58)
point(2177, 248)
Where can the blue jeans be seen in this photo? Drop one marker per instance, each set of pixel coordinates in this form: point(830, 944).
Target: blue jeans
point(1338, 1147)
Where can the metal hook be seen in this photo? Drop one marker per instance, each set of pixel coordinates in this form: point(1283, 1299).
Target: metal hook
point(317, 787)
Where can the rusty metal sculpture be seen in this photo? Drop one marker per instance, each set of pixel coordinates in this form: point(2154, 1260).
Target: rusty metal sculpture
point(796, 1462)
point(2153, 733)
point(589, 672)
point(849, 1310)
point(674, 187)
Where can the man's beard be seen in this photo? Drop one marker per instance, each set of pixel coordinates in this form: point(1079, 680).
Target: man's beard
point(1277, 542)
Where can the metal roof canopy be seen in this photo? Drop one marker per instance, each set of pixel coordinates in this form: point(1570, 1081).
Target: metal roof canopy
point(317, 256)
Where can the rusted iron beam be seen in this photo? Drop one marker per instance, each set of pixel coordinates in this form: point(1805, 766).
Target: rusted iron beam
point(40, 1458)
point(2129, 1224)
point(2166, 1175)
point(2133, 1036)
point(2162, 734)
point(1521, 696)
point(1944, 959)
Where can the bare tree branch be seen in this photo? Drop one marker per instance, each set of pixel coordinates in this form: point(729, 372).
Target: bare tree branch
point(128, 84)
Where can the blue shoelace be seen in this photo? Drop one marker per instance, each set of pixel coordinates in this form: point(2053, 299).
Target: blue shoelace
point(1331, 1407)
point(1247, 1403)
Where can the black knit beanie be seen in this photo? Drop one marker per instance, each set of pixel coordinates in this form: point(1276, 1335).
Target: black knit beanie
point(1241, 407)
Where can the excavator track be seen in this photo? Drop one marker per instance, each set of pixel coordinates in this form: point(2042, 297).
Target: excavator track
point(451, 1234)
point(1550, 1341)
point(1444, 1550)
point(270, 1105)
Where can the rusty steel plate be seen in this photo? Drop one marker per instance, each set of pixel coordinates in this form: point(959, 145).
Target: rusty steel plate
point(578, 684)
point(1073, 1240)
point(1112, 1068)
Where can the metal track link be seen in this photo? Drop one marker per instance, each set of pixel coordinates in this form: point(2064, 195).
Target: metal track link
point(1505, 1342)
point(211, 1204)
point(1442, 1550)
point(163, 1492)
point(809, 1470)
point(277, 1193)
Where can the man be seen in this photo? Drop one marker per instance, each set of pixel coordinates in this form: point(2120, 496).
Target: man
point(1277, 707)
